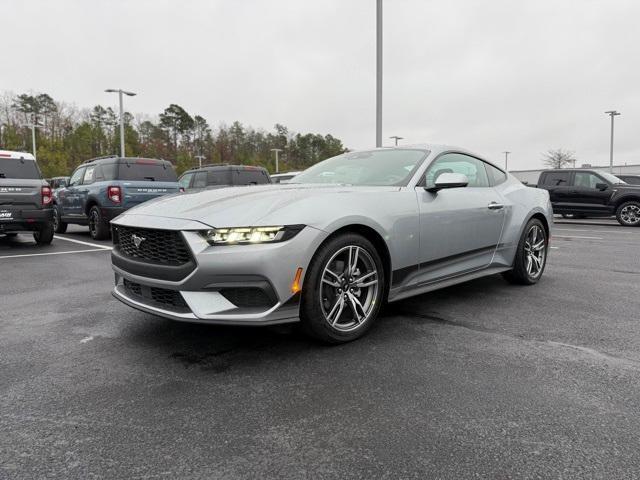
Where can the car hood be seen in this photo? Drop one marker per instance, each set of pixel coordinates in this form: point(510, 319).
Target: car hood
point(276, 204)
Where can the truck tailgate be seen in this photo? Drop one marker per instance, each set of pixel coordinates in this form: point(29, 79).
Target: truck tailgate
point(139, 192)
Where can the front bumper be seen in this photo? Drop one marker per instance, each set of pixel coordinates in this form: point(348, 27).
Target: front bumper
point(230, 285)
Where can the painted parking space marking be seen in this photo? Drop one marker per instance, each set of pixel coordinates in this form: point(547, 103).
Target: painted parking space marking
point(95, 245)
point(54, 253)
point(578, 236)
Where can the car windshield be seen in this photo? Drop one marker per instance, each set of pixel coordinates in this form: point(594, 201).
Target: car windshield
point(374, 168)
point(612, 178)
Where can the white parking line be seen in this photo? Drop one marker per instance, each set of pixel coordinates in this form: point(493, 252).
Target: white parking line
point(577, 236)
point(53, 253)
point(597, 230)
point(96, 245)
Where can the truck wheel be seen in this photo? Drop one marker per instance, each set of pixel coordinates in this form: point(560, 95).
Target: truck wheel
point(98, 228)
point(58, 225)
point(628, 214)
point(44, 235)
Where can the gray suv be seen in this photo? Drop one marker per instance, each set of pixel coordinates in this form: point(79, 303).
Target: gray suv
point(25, 198)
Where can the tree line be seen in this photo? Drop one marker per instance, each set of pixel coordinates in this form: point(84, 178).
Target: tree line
point(67, 135)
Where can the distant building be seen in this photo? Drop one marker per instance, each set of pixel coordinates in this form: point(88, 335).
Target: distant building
point(531, 176)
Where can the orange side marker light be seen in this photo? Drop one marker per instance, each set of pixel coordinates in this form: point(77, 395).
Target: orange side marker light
point(296, 286)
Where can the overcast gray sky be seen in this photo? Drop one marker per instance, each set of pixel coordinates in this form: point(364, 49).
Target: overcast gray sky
point(488, 75)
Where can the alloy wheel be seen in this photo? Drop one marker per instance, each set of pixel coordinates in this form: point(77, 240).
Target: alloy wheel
point(630, 214)
point(535, 249)
point(56, 219)
point(93, 223)
point(349, 288)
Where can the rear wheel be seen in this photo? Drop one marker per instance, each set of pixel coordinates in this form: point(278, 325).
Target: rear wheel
point(58, 225)
point(44, 234)
point(343, 289)
point(98, 228)
point(531, 256)
point(628, 214)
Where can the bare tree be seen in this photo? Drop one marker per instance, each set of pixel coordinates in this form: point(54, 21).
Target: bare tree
point(558, 158)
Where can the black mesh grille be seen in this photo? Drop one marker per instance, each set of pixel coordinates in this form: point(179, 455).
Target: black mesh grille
point(247, 297)
point(133, 287)
point(157, 246)
point(159, 296)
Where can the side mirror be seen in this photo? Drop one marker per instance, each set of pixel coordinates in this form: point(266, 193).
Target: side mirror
point(602, 186)
point(449, 180)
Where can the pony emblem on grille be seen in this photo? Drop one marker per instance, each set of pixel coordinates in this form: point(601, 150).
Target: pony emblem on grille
point(137, 240)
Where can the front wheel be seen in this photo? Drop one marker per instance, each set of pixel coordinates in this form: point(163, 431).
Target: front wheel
point(98, 228)
point(531, 256)
point(343, 289)
point(628, 214)
point(44, 234)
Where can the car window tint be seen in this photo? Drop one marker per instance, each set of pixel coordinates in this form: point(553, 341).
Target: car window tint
point(497, 175)
point(201, 180)
point(219, 177)
point(586, 180)
point(185, 179)
point(76, 177)
point(18, 168)
point(88, 175)
point(557, 179)
point(471, 167)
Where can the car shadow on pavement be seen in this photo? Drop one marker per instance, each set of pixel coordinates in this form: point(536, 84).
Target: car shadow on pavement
point(216, 348)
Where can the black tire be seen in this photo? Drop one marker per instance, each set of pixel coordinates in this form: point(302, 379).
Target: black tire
point(522, 273)
point(341, 301)
point(628, 214)
point(98, 228)
point(58, 225)
point(44, 234)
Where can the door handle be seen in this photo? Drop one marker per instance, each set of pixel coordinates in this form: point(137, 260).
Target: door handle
point(495, 206)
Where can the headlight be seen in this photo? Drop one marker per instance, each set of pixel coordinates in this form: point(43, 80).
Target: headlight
point(247, 235)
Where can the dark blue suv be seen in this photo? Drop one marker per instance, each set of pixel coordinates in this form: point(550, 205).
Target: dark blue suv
point(102, 188)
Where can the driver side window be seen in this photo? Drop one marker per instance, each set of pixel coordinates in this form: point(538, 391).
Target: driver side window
point(458, 163)
point(76, 177)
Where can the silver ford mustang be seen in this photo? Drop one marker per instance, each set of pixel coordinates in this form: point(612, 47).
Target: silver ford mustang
point(331, 247)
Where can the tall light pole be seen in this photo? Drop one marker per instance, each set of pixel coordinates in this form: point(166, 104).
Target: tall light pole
point(130, 94)
point(200, 158)
point(379, 74)
point(277, 150)
point(396, 138)
point(33, 125)
point(506, 160)
point(612, 114)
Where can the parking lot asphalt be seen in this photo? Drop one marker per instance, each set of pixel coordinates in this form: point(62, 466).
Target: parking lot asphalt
point(482, 380)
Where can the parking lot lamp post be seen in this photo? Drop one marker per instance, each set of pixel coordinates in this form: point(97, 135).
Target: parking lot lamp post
point(379, 74)
point(506, 160)
point(612, 114)
point(200, 158)
point(120, 92)
point(33, 125)
point(396, 138)
point(276, 150)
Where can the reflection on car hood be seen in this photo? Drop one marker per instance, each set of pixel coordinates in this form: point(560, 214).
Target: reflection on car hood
point(254, 205)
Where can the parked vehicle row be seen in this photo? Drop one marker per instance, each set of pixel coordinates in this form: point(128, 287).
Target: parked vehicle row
point(330, 247)
point(100, 189)
point(584, 192)
point(25, 197)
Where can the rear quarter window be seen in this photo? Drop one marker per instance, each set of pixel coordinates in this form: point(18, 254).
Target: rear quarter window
point(250, 177)
point(555, 179)
point(149, 172)
point(19, 168)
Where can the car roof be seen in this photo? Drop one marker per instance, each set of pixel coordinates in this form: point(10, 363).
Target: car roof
point(117, 159)
point(224, 166)
point(16, 155)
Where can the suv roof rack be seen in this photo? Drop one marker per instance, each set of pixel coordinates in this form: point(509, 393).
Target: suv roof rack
point(99, 158)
